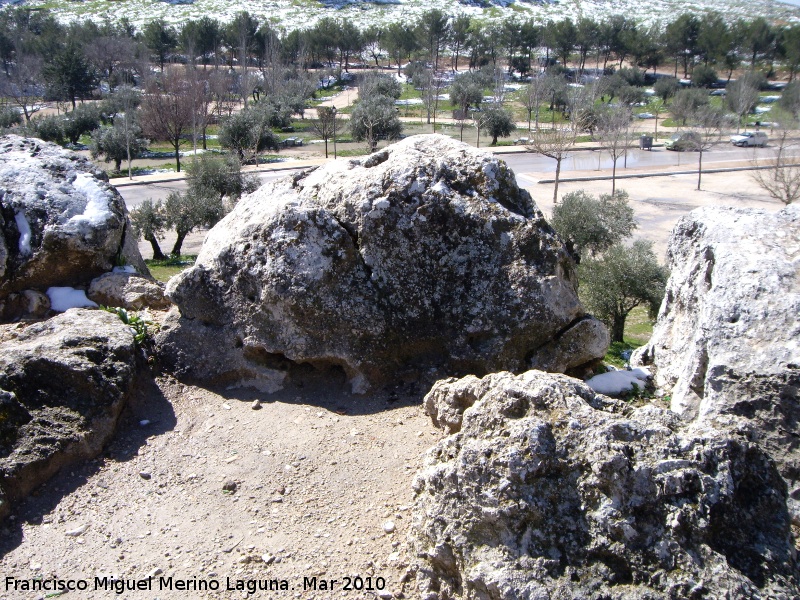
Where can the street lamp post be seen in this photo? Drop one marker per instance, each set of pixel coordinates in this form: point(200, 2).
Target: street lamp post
point(333, 111)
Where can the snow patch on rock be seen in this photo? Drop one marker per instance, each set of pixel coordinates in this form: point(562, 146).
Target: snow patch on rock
point(615, 383)
point(24, 233)
point(97, 211)
point(64, 298)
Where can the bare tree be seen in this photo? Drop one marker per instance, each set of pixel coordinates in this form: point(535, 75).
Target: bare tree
point(223, 98)
point(708, 122)
point(741, 97)
point(24, 84)
point(558, 142)
point(202, 100)
point(166, 111)
point(532, 97)
point(432, 85)
point(779, 175)
point(325, 124)
point(612, 127)
point(555, 143)
point(658, 106)
point(107, 52)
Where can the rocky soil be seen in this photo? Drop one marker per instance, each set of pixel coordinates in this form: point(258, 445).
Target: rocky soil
point(320, 486)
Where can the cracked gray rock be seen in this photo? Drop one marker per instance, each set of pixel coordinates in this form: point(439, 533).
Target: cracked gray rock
point(423, 256)
point(726, 345)
point(548, 490)
point(63, 384)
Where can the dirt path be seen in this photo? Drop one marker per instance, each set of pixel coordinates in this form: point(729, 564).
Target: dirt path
point(318, 475)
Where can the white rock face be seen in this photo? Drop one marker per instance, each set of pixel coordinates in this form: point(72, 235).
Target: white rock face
point(727, 340)
point(548, 490)
point(425, 255)
point(61, 224)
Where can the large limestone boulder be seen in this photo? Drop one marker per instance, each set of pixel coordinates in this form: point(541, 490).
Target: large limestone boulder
point(63, 383)
point(551, 491)
point(61, 223)
point(727, 341)
point(425, 255)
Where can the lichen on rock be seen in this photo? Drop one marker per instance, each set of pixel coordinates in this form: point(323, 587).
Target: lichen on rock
point(423, 256)
point(549, 490)
point(61, 223)
point(63, 383)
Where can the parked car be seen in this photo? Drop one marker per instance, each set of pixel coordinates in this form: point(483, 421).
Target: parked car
point(646, 115)
point(685, 140)
point(750, 138)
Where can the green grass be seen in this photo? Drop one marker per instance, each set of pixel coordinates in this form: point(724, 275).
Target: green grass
point(353, 152)
point(162, 270)
point(408, 92)
point(123, 172)
point(638, 329)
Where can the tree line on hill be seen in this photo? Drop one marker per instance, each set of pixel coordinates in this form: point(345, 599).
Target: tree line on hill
point(70, 62)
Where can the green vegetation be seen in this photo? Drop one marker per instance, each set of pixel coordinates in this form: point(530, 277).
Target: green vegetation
point(139, 327)
point(162, 270)
point(638, 329)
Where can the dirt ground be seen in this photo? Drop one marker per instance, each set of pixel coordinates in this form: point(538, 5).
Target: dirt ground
point(322, 490)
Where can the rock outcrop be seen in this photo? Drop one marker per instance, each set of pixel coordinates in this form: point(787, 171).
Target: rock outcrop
point(128, 290)
point(726, 345)
point(61, 223)
point(425, 255)
point(551, 491)
point(63, 383)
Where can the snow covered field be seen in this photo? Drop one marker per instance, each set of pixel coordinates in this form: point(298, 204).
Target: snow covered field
point(292, 14)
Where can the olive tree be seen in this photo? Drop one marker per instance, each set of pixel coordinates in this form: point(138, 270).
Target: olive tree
point(84, 119)
point(591, 225)
point(247, 133)
point(686, 103)
point(618, 281)
point(374, 118)
point(149, 222)
point(214, 185)
point(497, 122)
point(9, 116)
point(219, 176)
point(118, 143)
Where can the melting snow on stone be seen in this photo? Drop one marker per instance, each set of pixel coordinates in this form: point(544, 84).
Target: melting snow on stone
point(24, 233)
point(96, 211)
point(64, 298)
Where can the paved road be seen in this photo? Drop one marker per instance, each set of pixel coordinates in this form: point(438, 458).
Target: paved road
point(656, 159)
point(134, 195)
point(532, 167)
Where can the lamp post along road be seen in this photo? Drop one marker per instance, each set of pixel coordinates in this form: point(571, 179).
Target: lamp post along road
point(333, 110)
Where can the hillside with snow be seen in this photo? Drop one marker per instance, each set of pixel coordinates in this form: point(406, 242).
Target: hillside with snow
point(292, 14)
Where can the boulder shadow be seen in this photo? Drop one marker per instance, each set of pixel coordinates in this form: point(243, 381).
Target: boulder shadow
point(327, 388)
point(147, 402)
